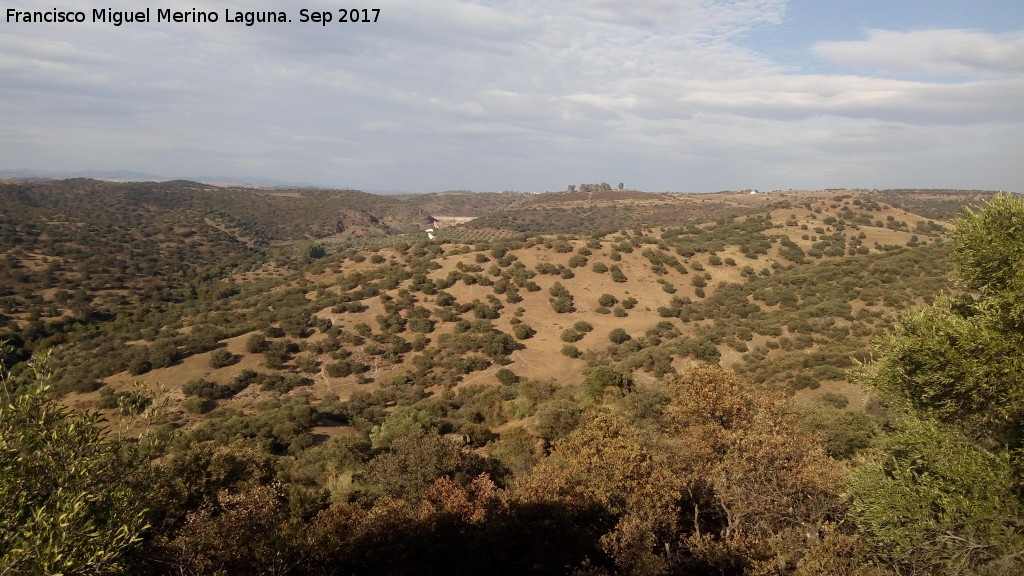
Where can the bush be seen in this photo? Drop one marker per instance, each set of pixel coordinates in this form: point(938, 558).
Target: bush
point(827, 372)
point(202, 388)
point(842, 433)
point(835, 400)
point(196, 405)
point(618, 336)
point(602, 377)
point(74, 496)
point(162, 354)
point(339, 369)
point(296, 326)
point(801, 381)
point(282, 384)
point(523, 331)
point(557, 290)
point(570, 335)
point(221, 358)
point(139, 365)
point(506, 376)
point(127, 403)
point(275, 356)
point(444, 299)
point(558, 418)
point(255, 344)
point(562, 304)
point(571, 351)
point(308, 365)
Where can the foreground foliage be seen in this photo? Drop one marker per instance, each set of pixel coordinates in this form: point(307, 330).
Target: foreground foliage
point(372, 408)
point(71, 500)
point(942, 495)
point(723, 480)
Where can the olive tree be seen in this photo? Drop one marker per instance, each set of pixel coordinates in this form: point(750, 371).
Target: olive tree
point(71, 499)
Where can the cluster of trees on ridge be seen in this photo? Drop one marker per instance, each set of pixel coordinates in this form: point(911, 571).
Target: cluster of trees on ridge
point(700, 472)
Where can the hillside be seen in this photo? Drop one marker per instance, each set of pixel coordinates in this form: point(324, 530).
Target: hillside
point(260, 325)
point(752, 281)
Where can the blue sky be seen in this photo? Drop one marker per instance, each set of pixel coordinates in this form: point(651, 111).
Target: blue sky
point(678, 95)
point(807, 22)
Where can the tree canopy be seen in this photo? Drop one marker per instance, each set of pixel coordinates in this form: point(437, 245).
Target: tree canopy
point(942, 494)
point(71, 500)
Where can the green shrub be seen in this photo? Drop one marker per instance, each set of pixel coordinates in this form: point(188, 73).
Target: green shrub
point(570, 335)
point(583, 326)
point(835, 400)
point(127, 403)
point(523, 331)
point(506, 376)
point(255, 344)
point(558, 418)
point(600, 378)
point(562, 304)
point(618, 336)
point(196, 405)
point(221, 357)
point(74, 497)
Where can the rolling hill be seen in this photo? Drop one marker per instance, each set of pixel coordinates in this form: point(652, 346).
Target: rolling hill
point(319, 357)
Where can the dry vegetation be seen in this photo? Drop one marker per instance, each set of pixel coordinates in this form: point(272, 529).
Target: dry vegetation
point(335, 355)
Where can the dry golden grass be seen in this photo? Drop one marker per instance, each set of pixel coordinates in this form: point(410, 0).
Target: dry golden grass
point(541, 356)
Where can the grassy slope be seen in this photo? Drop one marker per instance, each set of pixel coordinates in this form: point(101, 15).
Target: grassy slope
point(541, 358)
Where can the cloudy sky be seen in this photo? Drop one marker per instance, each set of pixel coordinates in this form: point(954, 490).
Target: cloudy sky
point(678, 95)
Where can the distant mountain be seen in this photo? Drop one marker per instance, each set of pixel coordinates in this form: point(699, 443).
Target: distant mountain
point(95, 174)
point(130, 176)
point(254, 181)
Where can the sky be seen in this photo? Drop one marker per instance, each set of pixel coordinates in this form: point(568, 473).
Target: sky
point(528, 95)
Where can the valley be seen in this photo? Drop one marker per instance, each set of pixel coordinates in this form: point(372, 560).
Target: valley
point(358, 352)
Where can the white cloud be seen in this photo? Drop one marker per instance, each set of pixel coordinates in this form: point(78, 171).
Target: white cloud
point(940, 52)
point(901, 101)
point(448, 94)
